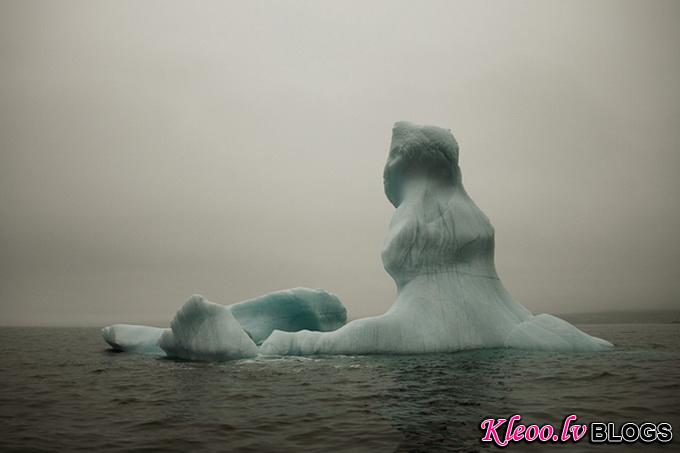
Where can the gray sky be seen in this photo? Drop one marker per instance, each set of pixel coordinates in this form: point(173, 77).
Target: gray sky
point(151, 150)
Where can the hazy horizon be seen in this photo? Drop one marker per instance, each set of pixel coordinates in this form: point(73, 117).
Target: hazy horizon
point(149, 151)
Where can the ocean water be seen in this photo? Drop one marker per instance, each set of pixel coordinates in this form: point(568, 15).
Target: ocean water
point(61, 389)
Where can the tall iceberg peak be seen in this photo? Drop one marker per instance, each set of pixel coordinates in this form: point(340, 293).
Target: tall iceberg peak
point(419, 151)
point(439, 250)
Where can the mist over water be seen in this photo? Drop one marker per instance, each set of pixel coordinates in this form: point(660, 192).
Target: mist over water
point(62, 390)
point(149, 151)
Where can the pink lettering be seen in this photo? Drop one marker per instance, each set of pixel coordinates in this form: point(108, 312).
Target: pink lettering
point(532, 433)
point(576, 434)
point(491, 434)
point(518, 432)
point(545, 433)
point(565, 427)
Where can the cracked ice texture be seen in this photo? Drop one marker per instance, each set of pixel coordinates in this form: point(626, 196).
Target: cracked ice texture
point(439, 250)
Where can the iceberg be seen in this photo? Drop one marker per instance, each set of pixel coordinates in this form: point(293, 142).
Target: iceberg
point(287, 310)
point(203, 330)
point(550, 333)
point(290, 310)
point(133, 338)
point(439, 250)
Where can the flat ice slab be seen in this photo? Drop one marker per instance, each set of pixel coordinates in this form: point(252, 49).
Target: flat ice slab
point(550, 333)
point(133, 338)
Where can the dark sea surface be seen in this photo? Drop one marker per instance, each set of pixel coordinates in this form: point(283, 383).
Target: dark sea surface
point(62, 390)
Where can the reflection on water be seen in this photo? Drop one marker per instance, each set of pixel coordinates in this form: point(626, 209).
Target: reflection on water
point(61, 390)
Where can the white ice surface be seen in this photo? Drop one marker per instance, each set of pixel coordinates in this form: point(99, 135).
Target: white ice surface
point(133, 338)
point(440, 252)
point(550, 333)
point(202, 330)
point(290, 310)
